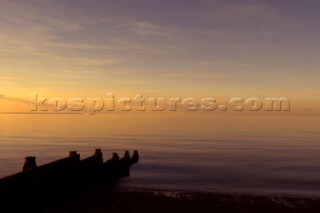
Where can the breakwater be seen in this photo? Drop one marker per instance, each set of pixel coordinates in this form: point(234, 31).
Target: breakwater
point(62, 178)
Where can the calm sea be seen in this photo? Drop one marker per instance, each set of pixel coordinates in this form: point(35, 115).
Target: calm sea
point(193, 152)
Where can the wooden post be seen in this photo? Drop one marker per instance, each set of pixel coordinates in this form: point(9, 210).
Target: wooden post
point(29, 163)
point(135, 157)
point(72, 153)
point(97, 152)
point(125, 163)
point(115, 156)
point(126, 155)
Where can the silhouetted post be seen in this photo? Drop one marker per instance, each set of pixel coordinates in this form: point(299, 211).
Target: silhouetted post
point(126, 155)
point(29, 163)
point(97, 151)
point(99, 154)
point(72, 153)
point(111, 167)
point(115, 156)
point(135, 157)
point(125, 163)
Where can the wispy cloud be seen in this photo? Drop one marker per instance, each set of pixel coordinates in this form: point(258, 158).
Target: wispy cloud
point(152, 29)
point(99, 43)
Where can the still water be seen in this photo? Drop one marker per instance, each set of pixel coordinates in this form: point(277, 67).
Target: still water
point(189, 152)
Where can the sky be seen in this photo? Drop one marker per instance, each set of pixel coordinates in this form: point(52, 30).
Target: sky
point(201, 48)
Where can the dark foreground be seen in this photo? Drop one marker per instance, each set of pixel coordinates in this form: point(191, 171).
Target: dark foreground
point(100, 199)
point(91, 185)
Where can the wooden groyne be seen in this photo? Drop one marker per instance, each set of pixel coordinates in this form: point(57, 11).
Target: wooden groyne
point(62, 177)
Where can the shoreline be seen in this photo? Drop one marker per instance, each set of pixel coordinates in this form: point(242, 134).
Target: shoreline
point(257, 192)
point(109, 198)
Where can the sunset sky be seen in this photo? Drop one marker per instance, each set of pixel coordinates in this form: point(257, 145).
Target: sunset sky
point(199, 48)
